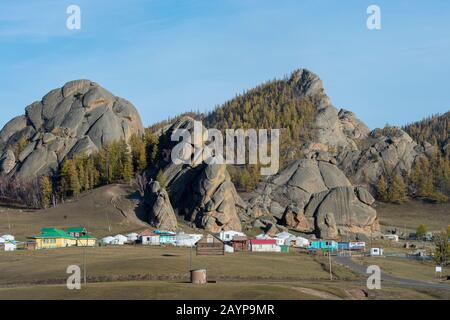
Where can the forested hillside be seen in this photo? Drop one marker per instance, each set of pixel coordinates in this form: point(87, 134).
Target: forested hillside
point(434, 129)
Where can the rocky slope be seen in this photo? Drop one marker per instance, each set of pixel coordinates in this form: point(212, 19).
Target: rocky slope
point(314, 196)
point(80, 117)
point(202, 194)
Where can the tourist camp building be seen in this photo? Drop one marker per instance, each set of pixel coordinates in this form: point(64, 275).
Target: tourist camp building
point(186, 240)
point(240, 243)
point(210, 245)
point(77, 232)
point(149, 238)
point(7, 243)
point(165, 237)
point(264, 245)
point(51, 238)
point(228, 235)
point(323, 245)
point(86, 241)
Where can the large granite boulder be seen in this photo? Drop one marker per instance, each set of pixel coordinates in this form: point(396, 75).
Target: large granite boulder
point(78, 118)
point(159, 208)
point(201, 193)
point(317, 198)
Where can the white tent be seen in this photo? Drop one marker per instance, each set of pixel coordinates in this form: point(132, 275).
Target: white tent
point(8, 237)
point(298, 242)
point(187, 240)
point(132, 237)
point(263, 236)
point(284, 235)
point(120, 239)
point(9, 246)
point(2, 240)
point(230, 234)
point(108, 240)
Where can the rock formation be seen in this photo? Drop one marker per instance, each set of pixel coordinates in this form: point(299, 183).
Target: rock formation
point(159, 208)
point(333, 129)
point(201, 193)
point(394, 153)
point(313, 195)
point(80, 117)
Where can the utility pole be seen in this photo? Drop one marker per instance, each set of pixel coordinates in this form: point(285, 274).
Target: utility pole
point(7, 217)
point(329, 258)
point(84, 264)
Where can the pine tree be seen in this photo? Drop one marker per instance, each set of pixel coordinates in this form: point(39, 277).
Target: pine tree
point(160, 177)
point(69, 181)
point(397, 190)
point(46, 191)
point(382, 190)
point(421, 231)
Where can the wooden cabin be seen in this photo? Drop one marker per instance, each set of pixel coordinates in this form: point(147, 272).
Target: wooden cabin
point(210, 245)
point(240, 243)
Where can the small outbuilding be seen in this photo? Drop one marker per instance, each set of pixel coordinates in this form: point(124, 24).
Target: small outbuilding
point(264, 245)
point(375, 252)
point(239, 243)
point(210, 245)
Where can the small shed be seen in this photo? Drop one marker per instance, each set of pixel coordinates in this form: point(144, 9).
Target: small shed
point(210, 245)
point(264, 245)
point(239, 243)
point(375, 252)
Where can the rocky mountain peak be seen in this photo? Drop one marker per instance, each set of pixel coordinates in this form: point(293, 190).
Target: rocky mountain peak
point(78, 118)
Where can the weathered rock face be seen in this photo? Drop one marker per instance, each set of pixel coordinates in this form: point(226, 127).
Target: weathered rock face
point(202, 193)
point(395, 153)
point(78, 118)
point(317, 197)
point(160, 211)
point(332, 129)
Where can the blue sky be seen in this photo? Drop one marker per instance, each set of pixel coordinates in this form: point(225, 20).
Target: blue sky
point(170, 56)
